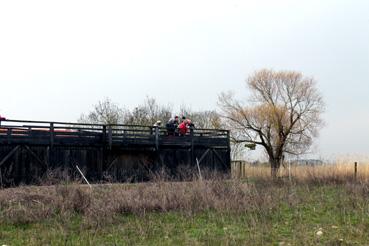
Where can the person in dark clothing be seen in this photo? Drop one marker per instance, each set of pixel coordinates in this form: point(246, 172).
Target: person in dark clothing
point(171, 126)
point(191, 124)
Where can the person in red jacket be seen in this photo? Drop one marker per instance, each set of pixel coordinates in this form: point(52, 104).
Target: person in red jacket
point(182, 128)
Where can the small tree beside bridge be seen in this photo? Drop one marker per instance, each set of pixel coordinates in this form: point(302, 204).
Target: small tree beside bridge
point(283, 114)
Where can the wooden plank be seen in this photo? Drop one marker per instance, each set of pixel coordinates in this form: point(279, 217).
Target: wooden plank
point(111, 164)
point(220, 158)
point(9, 155)
point(203, 155)
point(35, 156)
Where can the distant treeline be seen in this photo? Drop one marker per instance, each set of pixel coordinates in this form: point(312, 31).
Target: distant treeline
point(147, 113)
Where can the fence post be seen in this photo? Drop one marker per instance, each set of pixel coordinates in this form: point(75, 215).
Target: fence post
point(9, 135)
point(51, 134)
point(110, 136)
point(229, 159)
point(101, 160)
point(355, 170)
point(241, 169)
point(104, 136)
point(192, 147)
point(157, 138)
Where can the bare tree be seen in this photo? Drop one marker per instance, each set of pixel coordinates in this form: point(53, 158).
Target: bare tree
point(207, 119)
point(148, 113)
point(108, 112)
point(283, 114)
point(104, 112)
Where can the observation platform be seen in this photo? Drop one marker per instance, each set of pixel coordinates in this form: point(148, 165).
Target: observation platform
point(33, 147)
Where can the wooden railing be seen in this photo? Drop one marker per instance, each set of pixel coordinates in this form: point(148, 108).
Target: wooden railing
point(61, 133)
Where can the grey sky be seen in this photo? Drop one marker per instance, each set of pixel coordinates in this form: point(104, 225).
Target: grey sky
point(58, 58)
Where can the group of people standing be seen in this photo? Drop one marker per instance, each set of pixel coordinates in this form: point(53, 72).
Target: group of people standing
point(175, 127)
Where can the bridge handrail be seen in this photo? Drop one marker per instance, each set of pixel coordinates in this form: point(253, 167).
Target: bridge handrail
point(56, 132)
point(71, 125)
point(49, 122)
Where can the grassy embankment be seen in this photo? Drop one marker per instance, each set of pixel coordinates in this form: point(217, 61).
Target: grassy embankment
point(253, 211)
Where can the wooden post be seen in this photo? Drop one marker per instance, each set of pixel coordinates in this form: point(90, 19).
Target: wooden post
point(100, 163)
point(19, 161)
point(51, 147)
point(229, 147)
point(104, 136)
point(212, 158)
point(192, 148)
point(355, 170)
point(47, 156)
point(198, 168)
point(26, 174)
point(9, 135)
point(156, 138)
point(110, 136)
point(51, 134)
point(66, 161)
point(240, 169)
point(83, 176)
point(102, 151)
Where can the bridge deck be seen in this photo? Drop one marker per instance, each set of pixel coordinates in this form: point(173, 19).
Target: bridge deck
point(30, 150)
point(40, 133)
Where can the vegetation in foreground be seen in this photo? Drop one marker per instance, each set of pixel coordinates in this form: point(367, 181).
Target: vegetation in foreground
point(258, 212)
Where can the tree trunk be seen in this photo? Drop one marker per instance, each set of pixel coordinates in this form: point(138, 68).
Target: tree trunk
point(275, 163)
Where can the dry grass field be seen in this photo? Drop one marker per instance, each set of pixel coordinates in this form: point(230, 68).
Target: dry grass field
point(321, 205)
point(341, 169)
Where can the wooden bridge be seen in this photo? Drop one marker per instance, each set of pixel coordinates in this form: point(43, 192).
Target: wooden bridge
point(31, 150)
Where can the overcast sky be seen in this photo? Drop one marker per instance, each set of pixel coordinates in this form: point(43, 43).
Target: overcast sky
point(58, 58)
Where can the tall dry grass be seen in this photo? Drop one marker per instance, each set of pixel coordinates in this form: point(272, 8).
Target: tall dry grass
point(103, 203)
point(257, 195)
point(342, 170)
